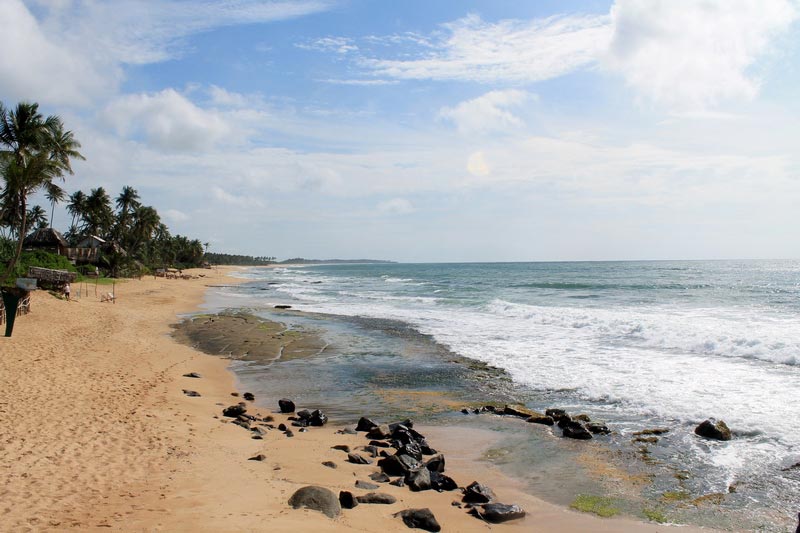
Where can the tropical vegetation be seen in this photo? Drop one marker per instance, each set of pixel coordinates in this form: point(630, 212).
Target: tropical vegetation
point(36, 153)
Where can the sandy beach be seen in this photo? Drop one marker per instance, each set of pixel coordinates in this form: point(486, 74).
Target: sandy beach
point(96, 434)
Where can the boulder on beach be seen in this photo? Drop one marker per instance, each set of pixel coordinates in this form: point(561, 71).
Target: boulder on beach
point(398, 465)
point(419, 480)
point(435, 463)
point(379, 432)
point(358, 459)
point(576, 430)
point(286, 405)
point(420, 519)
point(540, 419)
point(234, 410)
point(713, 429)
point(376, 497)
point(441, 482)
point(347, 500)
point(316, 498)
point(249, 396)
point(519, 411)
point(556, 414)
point(597, 428)
point(497, 513)
point(477, 493)
point(365, 424)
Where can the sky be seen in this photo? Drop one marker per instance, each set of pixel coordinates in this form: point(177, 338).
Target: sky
point(435, 130)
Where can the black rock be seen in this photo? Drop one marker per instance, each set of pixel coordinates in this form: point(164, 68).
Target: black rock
point(598, 428)
point(371, 450)
point(235, 394)
point(441, 482)
point(234, 410)
point(419, 480)
point(342, 447)
point(358, 459)
point(546, 420)
point(376, 497)
point(191, 393)
point(380, 443)
point(305, 414)
point(436, 463)
point(259, 457)
point(282, 427)
point(407, 424)
point(465, 411)
point(399, 482)
point(329, 464)
point(244, 423)
point(282, 306)
point(379, 432)
point(318, 418)
point(288, 433)
point(316, 498)
point(519, 412)
point(365, 424)
point(488, 409)
point(556, 414)
point(249, 396)
point(563, 421)
point(366, 486)
point(192, 375)
point(713, 429)
point(497, 513)
point(286, 405)
point(576, 430)
point(477, 493)
point(380, 477)
point(398, 465)
point(412, 449)
point(420, 519)
point(347, 500)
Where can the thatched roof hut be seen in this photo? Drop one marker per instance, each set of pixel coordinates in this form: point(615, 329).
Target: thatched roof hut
point(46, 239)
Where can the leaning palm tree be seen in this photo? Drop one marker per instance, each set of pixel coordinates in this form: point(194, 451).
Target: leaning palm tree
point(34, 151)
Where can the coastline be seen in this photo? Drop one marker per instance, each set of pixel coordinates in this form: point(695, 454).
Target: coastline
point(98, 434)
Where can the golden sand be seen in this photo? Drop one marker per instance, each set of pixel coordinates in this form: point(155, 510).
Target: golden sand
point(97, 435)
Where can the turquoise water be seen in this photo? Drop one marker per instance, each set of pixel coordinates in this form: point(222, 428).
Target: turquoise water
point(635, 343)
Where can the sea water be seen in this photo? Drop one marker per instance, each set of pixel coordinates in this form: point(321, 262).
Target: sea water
point(637, 344)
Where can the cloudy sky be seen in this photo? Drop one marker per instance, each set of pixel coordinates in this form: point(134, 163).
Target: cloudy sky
point(431, 130)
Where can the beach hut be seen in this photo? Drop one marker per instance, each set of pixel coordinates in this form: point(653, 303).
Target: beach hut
point(46, 239)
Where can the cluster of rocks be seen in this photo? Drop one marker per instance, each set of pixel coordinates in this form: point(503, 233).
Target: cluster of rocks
point(258, 425)
point(579, 427)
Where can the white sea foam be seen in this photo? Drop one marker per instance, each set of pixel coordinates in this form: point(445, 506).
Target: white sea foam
point(679, 363)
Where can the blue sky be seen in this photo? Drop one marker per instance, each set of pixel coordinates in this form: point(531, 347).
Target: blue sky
point(431, 131)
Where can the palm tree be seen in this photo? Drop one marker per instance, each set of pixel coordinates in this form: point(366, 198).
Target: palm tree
point(37, 218)
point(127, 200)
point(145, 223)
point(34, 151)
point(54, 195)
point(76, 206)
point(99, 216)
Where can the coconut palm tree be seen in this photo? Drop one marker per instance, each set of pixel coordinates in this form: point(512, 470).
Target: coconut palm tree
point(99, 216)
point(34, 151)
point(36, 218)
point(54, 195)
point(127, 201)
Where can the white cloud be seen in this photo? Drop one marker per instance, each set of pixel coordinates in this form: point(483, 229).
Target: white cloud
point(692, 55)
point(506, 51)
point(34, 67)
point(358, 82)
point(174, 215)
point(238, 200)
point(489, 112)
point(75, 52)
point(167, 120)
point(339, 45)
point(396, 206)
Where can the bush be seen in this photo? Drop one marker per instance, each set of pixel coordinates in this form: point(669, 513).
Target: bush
point(39, 258)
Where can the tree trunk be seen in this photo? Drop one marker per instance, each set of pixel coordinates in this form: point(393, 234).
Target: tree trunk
point(15, 259)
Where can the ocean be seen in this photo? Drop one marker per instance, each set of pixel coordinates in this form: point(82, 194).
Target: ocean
point(635, 344)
